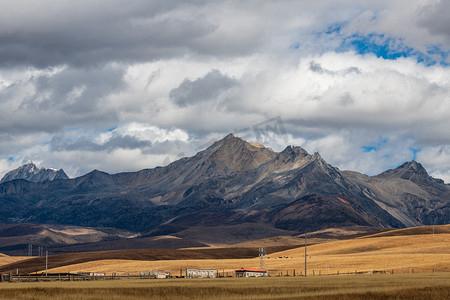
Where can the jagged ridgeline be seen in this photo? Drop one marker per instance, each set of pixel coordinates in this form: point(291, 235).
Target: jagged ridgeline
point(32, 173)
point(230, 183)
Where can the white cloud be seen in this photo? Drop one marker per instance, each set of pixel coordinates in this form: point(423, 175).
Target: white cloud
point(144, 132)
point(437, 161)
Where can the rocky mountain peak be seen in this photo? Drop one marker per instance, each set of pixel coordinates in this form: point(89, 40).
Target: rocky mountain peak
point(413, 165)
point(29, 167)
point(230, 139)
point(230, 154)
point(228, 142)
point(295, 151)
point(30, 172)
point(410, 170)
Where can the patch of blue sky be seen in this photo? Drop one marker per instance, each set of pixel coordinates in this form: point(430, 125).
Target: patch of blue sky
point(375, 146)
point(10, 158)
point(333, 38)
point(414, 152)
point(369, 148)
point(392, 48)
point(439, 54)
point(334, 28)
point(378, 44)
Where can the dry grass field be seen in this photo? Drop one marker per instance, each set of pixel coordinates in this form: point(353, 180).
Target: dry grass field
point(399, 286)
point(5, 259)
point(140, 255)
point(401, 254)
point(419, 260)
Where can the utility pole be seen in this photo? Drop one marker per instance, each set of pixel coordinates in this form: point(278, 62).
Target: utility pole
point(306, 252)
point(46, 261)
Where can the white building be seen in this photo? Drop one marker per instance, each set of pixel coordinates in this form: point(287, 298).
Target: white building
point(200, 273)
point(156, 274)
point(251, 272)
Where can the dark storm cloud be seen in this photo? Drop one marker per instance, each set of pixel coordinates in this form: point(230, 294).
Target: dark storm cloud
point(79, 33)
point(63, 142)
point(436, 20)
point(75, 90)
point(202, 89)
point(69, 97)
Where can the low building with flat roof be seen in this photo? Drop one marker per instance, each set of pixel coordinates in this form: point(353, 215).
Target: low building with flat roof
point(251, 272)
point(200, 273)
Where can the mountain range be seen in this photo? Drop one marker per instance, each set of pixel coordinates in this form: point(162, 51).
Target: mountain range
point(32, 173)
point(229, 185)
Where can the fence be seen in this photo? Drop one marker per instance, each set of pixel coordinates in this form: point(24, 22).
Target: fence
point(220, 274)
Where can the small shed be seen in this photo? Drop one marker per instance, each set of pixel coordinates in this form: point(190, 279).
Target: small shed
point(251, 272)
point(200, 273)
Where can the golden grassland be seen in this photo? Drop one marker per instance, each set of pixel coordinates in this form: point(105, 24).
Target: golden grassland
point(424, 253)
point(378, 286)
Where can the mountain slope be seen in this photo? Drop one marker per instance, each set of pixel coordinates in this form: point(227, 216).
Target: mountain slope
point(408, 193)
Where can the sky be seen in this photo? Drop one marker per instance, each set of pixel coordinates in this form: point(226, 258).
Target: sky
point(119, 85)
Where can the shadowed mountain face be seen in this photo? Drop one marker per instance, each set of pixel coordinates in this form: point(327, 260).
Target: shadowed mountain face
point(31, 173)
point(230, 183)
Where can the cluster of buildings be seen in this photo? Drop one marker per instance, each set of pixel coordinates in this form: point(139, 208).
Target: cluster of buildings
point(206, 273)
point(212, 273)
point(190, 273)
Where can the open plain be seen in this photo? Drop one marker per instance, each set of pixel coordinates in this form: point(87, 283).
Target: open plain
point(399, 286)
point(409, 263)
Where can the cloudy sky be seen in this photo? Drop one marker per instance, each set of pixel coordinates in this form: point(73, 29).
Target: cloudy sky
point(125, 85)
